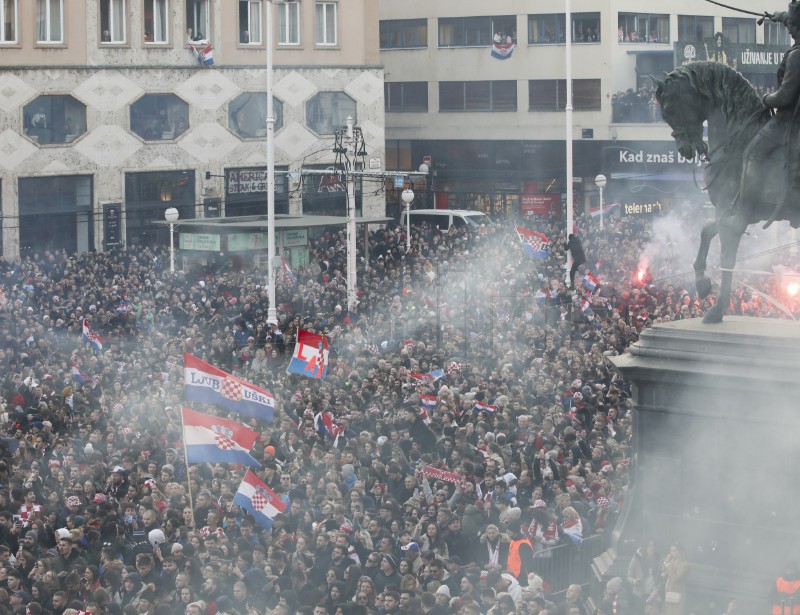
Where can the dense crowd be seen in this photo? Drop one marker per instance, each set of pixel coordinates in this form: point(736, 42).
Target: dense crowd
point(484, 457)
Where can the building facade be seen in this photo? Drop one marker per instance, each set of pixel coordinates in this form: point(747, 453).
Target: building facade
point(479, 89)
point(112, 111)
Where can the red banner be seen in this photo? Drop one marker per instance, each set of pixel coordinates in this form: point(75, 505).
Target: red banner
point(538, 204)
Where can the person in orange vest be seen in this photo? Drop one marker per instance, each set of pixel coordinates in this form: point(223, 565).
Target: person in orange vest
point(520, 555)
point(785, 594)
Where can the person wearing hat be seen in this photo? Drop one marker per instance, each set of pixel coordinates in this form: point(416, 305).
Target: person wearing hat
point(614, 598)
point(520, 553)
point(442, 595)
point(412, 554)
point(117, 486)
point(146, 602)
point(18, 599)
point(387, 574)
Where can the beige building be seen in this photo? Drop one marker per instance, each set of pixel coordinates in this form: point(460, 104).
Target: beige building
point(480, 88)
point(108, 117)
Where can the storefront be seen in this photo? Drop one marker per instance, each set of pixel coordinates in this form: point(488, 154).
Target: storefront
point(242, 244)
point(650, 178)
point(326, 194)
point(148, 196)
point(55, 213)
point(523, 179)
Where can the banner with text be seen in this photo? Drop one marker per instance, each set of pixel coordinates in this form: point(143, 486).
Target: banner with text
point(746, 58)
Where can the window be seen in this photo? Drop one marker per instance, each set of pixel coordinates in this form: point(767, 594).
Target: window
point(546, 29)
point(147, 195)
point(326, 23)
point(477, 96)
point(776, 34)
point(327, 111)
point(551, 94)
point(475, 31)
point(250, 22)
point(643, 28)
point(247, 114)
point(112, 21)
point(50, 21)
point(586, 27)
point(404, 33)
point(156, 24)
point(54, 119)
point(289, 23)
point(411, 96)
point(695, 28)
point(739, 29)
point(198, 24)
point(8, 17)
point(159, 117)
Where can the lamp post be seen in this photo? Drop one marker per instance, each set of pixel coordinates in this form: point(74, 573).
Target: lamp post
point(600, 182)
point(424, 169)
point(171, 216)
point(272, 313)
point(408, 197)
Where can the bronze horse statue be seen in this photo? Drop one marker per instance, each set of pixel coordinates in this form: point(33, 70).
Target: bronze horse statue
point(716, 93)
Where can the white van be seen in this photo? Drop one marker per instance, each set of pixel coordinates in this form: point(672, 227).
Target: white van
point(445, 218)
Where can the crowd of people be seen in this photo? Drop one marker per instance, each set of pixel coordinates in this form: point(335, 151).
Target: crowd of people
point(485, 444)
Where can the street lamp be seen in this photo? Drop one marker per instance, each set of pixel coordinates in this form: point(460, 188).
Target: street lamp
point(408, 197)
point(272, 313)
point(600, 182)
point(171, 216)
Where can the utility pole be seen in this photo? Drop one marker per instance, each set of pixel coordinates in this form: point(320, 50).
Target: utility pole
point(350, 151)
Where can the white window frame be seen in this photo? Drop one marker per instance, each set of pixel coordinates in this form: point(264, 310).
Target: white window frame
point(286, 34)
point(322, 16)
point(14, 20)
point(157, 25)
point(48, 39)
point(115, 20)
point(254, 6)
point(203, 28)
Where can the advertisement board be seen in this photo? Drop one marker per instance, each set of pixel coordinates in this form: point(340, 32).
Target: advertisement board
point(199, 241)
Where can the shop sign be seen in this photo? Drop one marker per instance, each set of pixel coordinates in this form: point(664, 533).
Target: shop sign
point(247, 241)
point(112, 221)
point(295, 238)
point(251, 181)
point(642, 209)
point(199, 241)
point(538, 204)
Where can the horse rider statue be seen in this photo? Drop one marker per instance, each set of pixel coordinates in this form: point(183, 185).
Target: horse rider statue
point(782, 130)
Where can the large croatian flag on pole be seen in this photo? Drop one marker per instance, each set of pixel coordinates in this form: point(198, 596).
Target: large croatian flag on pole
point(310, 357)
point(259, 500)
point(205, 383)
point(536, 245)
point(210, 438)
point(90, 337)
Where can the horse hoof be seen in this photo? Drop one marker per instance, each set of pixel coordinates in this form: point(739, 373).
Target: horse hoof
point(703, 287)
point(713, 316)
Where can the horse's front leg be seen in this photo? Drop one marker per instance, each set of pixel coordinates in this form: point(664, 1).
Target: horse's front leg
point(701, 281)
point(731, 230)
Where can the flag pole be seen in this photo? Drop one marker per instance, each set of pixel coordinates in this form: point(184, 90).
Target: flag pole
point(188, 476)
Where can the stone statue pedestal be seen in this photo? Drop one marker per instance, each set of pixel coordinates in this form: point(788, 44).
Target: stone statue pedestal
point(717, 451)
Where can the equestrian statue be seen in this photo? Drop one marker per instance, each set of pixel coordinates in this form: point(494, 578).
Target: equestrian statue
point(753, 151)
